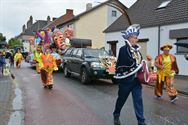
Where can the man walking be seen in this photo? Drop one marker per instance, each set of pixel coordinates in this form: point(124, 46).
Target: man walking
point(128, 61)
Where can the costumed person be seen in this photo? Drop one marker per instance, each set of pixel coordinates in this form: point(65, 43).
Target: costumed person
point(18, 58)
point(166, 69)
point(48, 65)
point(128, 63)
point(150, 63)
point(37, 59)
point(2, 62)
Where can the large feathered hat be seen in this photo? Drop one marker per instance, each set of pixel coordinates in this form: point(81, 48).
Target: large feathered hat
point(132, 30)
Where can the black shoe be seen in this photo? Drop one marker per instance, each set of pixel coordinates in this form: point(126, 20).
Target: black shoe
point(158, 97)
point(50, 86)
point(45, 87)
point(117, 121)
point(173, 99)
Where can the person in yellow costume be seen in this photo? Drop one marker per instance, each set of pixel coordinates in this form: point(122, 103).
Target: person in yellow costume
point(48, 66)
point(37, 59)
point(166, 69)
point(18, 58)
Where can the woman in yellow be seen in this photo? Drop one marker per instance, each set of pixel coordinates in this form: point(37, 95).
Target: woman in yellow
point(166, 69)
point(18, 58)
point(37, 59)
point(48, 65)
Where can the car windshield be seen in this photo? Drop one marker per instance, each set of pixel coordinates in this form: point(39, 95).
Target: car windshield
point(94, 53)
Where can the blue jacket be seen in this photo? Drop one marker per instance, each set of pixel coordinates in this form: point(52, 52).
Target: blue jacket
point(2, 61)
point(125, 59)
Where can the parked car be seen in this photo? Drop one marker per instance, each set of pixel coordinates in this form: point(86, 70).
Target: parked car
point(85, 63)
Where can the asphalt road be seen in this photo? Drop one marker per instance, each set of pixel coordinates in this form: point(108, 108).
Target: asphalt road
point(71, 103)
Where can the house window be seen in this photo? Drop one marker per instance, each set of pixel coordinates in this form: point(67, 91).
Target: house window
point(114, 13)
point(182, 49)
point(164, 4)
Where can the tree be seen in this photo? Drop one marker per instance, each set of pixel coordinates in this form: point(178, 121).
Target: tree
point(13, 42)
point(2, 38)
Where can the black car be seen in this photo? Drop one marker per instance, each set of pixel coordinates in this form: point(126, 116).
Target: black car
point(85, 63)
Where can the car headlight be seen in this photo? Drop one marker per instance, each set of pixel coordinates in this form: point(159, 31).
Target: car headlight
point(96, 65)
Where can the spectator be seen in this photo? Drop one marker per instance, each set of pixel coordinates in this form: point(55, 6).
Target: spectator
point(2, 62)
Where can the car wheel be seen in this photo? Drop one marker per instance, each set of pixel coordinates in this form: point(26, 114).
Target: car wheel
point(84, 76)
point(66, 72)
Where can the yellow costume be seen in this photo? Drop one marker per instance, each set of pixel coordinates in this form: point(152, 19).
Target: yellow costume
point(48, 65)
point(37, 58)
point(166, 69)
point(18, 58)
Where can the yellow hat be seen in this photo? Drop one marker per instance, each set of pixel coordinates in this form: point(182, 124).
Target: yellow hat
point(166, 47)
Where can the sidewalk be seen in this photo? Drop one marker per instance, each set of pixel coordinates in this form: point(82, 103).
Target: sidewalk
point(6, 94)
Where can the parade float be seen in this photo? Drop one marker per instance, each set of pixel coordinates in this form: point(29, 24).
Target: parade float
point(59, 42)
point(53, 38)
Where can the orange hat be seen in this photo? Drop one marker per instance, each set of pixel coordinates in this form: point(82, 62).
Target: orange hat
point(166, 47)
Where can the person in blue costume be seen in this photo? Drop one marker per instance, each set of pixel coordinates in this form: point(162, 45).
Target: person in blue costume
point(129, 60)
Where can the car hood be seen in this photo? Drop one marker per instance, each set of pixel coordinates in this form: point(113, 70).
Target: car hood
point(92, 59)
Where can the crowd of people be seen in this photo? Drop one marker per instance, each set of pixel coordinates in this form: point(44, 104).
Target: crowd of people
point(128, 65)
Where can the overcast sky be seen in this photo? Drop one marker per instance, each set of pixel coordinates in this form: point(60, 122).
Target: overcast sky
point(15, 13)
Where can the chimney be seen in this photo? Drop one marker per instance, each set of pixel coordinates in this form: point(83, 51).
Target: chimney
point(69, 11)
point(54, 18)
point(88, 6)
point(48, 19)
point(30, 22)
point(23, 28)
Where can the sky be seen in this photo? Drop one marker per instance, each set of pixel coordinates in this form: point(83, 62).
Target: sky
point(15, 13)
